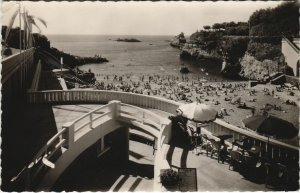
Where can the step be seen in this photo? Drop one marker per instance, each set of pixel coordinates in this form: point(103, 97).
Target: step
point(130, 183)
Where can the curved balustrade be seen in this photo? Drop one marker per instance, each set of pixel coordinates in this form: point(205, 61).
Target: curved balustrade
point(147, 117)
point(75, 133)
point(101, 96)
point(278, 149)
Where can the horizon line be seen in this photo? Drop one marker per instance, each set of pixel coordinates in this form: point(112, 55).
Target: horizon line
point(116, 34)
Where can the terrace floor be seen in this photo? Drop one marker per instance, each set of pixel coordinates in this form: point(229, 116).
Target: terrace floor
point(137, 176)
point(211, 175)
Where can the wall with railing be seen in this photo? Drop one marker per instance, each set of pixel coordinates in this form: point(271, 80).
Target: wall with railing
point(279, 149)
point(36, 77)
point(14, 62)
point(17, 73)
point(272, 148)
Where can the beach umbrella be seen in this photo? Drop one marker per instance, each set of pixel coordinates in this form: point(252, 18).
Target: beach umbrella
point(169, 92)
point(181, 84)
point(198, 112)
point(146, 92)
point(271, 126)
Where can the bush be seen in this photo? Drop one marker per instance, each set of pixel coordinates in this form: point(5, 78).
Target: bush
point(263, 51)
point(169, 177)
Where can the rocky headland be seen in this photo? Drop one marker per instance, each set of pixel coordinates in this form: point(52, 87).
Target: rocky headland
point(72, 60)
point(252, 54)
point(178, 41)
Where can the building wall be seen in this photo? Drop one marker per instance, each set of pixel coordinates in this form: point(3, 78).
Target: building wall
point(291, 55)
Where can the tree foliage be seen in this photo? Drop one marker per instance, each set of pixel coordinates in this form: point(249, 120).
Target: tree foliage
point(206, 27)
point(283, 19)
point(262, 51)
point(13, 39)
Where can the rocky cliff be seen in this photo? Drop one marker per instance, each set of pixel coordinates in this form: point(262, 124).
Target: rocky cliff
point(190, 50)
point(253, 69)
point(241, 59)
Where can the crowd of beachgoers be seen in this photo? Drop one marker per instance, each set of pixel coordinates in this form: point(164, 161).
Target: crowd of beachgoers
point(234, 100)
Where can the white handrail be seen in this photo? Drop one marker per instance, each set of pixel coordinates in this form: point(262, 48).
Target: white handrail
point(45, 153)
point(57, 135)
point(144, 110)
point(86, 115)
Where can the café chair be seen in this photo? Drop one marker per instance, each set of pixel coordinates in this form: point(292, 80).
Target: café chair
point(236, 159)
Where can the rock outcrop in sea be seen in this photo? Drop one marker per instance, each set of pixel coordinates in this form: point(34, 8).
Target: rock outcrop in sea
point(127, 40)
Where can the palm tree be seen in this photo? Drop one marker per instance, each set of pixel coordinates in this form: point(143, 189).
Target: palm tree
point(30, 20)
point(11, 22)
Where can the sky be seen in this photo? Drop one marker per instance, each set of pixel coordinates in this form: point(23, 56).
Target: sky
point(133, 18)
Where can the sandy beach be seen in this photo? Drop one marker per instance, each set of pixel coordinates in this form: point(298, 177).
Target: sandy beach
point(233, 100)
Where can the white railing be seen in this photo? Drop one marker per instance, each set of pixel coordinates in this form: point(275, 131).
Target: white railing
point(145, 116)
point(89, 120)
point(278, 149)
point(269, 146)
point(71, 132)
point(103, 97)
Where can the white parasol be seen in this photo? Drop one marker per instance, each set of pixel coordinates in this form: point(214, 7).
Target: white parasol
point(198, 112)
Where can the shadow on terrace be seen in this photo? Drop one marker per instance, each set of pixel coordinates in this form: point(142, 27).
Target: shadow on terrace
point(223, 166)
point(24, 131)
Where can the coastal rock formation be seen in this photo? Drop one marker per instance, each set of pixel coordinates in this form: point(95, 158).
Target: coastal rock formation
point(73, 61)
point(248, 51)
point(192, 51)
point(178, 41)
point(251, 68)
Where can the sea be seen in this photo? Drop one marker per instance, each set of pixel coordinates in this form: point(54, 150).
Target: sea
point(152, 56)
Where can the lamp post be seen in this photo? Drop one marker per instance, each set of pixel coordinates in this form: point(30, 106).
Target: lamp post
point(61, 65)
point(20, 23)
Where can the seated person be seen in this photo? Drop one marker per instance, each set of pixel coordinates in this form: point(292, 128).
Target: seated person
point(223, 151)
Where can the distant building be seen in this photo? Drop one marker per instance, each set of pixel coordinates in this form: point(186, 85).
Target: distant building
point(290, 50)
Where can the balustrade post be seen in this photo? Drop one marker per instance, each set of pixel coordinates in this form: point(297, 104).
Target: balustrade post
point(91, 120)
point(68, 134)
point(115, 107)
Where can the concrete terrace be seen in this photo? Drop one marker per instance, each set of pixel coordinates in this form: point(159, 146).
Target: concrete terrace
point(43, 121)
